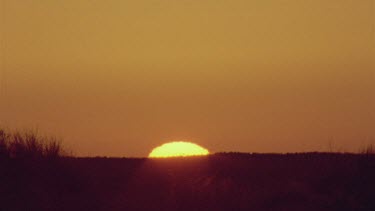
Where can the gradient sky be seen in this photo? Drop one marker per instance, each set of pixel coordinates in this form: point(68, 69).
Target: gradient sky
point(118, 78)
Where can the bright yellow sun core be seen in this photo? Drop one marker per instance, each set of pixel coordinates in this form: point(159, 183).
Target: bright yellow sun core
point(178, 149)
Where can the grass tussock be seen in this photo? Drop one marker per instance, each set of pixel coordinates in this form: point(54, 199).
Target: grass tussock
point(368, 150)
point(29, 144)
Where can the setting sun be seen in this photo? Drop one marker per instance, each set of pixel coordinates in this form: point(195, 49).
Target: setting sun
point(178, 149)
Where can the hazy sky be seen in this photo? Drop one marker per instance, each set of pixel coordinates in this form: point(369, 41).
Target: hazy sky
point(118, 78)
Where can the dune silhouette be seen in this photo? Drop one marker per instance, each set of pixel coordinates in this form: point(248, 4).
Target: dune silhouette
point(222, 181)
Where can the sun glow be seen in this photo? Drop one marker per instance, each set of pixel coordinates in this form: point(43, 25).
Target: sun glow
point(178, 149)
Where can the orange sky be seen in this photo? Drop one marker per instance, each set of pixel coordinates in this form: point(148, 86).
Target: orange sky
point(118, 78)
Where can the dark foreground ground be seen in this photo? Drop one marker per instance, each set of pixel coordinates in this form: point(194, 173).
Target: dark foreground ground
point(232, 181)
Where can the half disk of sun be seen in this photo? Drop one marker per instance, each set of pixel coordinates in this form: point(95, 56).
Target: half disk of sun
point(178, 149)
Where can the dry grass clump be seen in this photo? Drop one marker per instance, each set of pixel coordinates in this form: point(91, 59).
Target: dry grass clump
point(368, 150)
point(28, 144)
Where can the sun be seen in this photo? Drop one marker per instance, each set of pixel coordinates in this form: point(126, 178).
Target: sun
point(178, 149)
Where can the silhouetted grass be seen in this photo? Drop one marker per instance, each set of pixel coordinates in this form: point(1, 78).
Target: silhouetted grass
point(368, 150)
point(28, 144)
